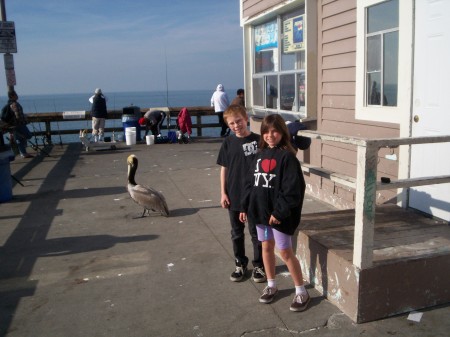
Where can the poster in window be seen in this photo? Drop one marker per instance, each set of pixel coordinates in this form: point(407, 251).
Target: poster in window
point(266, 36)
point(293, 34)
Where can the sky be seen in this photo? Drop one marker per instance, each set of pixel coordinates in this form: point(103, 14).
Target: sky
point(75, 46)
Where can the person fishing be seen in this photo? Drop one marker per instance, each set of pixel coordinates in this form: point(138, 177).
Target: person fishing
point(99, 114)
point(12, 115)
point(153, 120)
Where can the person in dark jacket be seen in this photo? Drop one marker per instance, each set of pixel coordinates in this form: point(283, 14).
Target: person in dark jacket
point(99, 114)
point(273, 200)
point(13, 116)
point(153, 120)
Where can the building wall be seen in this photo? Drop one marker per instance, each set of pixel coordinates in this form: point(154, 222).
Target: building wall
point(336, 81)
point(336, 105)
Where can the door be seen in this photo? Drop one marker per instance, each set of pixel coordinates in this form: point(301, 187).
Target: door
point(431, 105)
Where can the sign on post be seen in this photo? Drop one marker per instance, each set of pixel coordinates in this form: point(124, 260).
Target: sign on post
point(8, 37)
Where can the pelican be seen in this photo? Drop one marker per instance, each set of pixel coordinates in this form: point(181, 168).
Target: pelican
point(145, 196)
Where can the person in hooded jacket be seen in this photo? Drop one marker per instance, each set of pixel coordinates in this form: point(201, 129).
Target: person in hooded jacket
point(99, 114)
point(220, 102)
point(273, 200)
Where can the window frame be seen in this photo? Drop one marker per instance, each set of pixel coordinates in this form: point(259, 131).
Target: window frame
point(380, 113)
point(310, 59)
point(301, 110)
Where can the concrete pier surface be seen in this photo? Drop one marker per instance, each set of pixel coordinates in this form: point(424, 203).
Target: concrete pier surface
point(76, 258)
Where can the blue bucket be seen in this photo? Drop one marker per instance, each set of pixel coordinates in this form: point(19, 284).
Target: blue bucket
point(5, 180)
point(172, 135)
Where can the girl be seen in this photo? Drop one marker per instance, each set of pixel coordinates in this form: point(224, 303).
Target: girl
point(273, 201)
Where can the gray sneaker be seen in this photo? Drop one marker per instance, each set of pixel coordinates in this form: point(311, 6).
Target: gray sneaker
point(238, 273)
point(258, 275)
point(268, 294)
point(300, 302)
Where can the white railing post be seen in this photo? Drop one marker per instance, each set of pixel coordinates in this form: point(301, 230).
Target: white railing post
point(366, 187)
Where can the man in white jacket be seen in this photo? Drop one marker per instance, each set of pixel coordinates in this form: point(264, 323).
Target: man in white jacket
point(220, 102)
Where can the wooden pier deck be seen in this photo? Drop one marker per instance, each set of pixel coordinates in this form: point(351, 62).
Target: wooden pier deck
point(73, 247)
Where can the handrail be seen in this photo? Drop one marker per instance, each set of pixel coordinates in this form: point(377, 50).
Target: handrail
point(366, 183)
point(47, 118)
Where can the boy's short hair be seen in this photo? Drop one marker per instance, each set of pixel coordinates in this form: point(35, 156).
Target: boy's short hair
point(239, 91)
point(235, 110)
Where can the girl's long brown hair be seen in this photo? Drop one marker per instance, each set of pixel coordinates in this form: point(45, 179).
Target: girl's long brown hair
point(277, 122)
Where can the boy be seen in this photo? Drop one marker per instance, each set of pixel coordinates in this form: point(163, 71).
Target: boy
point(235, 157)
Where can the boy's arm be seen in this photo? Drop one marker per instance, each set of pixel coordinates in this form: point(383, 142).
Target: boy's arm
point(224, 201)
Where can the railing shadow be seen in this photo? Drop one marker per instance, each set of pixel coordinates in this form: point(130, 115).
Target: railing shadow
point(28, 241)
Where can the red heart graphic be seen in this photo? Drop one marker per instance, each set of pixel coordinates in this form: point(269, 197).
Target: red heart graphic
point(268, 165)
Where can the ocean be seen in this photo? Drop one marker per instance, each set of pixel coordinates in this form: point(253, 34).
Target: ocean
point(116, 101)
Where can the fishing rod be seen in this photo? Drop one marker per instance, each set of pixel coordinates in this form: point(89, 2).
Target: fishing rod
point(33, 145)
point(114, 120)
point(32, 125)
point(167, 93)
point(39, 124)
point(34, 134)
point(57, 125)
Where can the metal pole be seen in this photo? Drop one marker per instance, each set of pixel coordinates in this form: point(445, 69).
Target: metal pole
point(2, 5)
point(3, 18)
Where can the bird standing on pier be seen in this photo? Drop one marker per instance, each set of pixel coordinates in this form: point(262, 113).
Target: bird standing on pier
point(145, 196)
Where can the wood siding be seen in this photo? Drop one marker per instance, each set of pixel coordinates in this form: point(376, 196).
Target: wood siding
point(336, 102)
point(251, 8)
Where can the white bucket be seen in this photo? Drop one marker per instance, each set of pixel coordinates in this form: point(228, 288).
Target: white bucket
point(130, 136)
point(150, 139)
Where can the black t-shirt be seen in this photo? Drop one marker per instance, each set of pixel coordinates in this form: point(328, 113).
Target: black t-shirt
point(237, 154)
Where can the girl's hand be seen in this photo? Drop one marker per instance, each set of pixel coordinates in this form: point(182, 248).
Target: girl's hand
point(243, 217)
point(273, 221)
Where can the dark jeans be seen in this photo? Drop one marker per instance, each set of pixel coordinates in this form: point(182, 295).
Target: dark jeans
point(238, 236)
point(224, 131)
point(22, 134)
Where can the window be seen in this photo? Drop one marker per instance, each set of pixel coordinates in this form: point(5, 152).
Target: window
point(266, 47)
point(384, 36)
point(278, 75)
point(382, 54)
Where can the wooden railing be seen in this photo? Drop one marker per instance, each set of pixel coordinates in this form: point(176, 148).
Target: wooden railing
point(366, 184)
point(48, 117)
